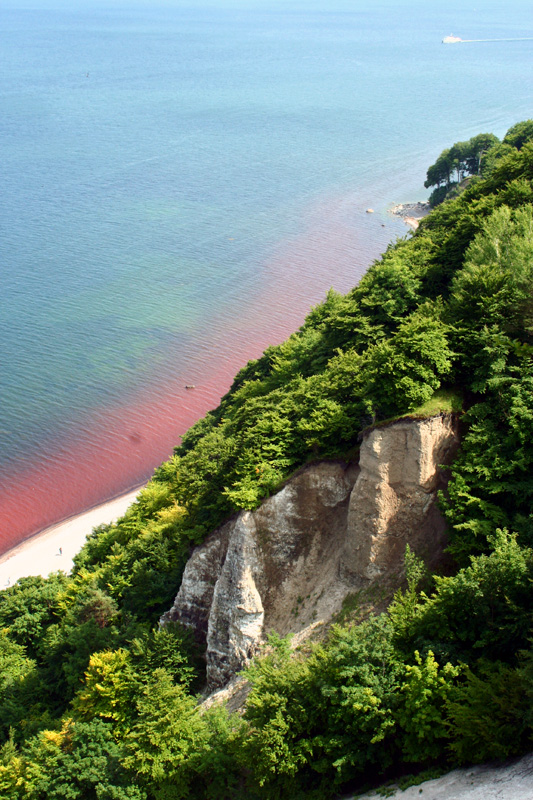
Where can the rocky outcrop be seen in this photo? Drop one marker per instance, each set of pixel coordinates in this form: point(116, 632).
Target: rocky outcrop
point(393, 501)
point(271, 569)
point(333, 528)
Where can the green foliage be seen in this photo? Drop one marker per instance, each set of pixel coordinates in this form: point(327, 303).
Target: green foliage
point(219, 766)
point(28, 607)
point(357, 677)
point(476, 148)
point(45, 647)
point(11, 766)
point(404, 372)
point(80, 762)
point(109, 691)
point(440, 172)
point(494, 286)
point(88, 624)
point(421, 715)
point(164, 745)
point(480, 155)
point(492, 477)
point(322, 721)
point(463, 158)
point(21, 689)
point(440, 194)
point(171, 648)
point(114, 678)
point(483, 610)
point(486, 714)
point(140, 559)
point(492, 157)
point(519, 134)
point(277, 744)
point(405, 605)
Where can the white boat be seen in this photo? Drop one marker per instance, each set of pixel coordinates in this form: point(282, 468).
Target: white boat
point(451, 39)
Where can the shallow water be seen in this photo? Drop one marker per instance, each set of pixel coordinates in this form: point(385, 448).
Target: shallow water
point(181, 185)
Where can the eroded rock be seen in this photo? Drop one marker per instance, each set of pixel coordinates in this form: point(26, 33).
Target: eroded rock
point(393, 500)
point(332, 528)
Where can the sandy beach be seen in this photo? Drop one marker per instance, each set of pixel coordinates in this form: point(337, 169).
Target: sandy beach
point(54, 548)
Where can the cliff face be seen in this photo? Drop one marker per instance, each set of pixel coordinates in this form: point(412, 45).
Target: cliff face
point(393, 501)
point(332, 529)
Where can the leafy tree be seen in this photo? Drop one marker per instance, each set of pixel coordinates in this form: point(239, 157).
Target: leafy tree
point(491, 478)
point(22, 692)
point(277, 747)
point(28, 607)
point(491, 158)
point(482, 611)
point(440, 172)
point(79, 761)
point(88, 623)
point(356, 679)
point(405, 604)
point(220, 772)
point(459, 155)
point(171, 648)
point(165, 744)
point(321, 722)
point(115, 678)
point(11, 768)
point(486, 715)
point(519, 134)
point(404, 371)
point(495, 285)
point(462, 158)
point(110, 688)
point(421, 715)
point(477, 148)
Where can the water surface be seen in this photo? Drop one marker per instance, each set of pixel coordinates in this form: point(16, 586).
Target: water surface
point(180, 185)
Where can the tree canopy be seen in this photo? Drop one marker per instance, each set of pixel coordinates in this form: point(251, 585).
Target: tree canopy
point(476, 156)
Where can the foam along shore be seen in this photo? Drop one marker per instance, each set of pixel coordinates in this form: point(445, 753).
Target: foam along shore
point(411, 213)
point(54, 548)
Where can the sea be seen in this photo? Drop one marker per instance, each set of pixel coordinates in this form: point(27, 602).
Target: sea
point(182, 182)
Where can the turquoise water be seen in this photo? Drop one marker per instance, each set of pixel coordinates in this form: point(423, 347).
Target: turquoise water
point(180, 185)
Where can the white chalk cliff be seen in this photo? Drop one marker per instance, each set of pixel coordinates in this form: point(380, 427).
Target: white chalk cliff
point(332, 529)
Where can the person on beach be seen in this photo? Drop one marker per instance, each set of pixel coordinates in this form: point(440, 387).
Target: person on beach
point(60, 551)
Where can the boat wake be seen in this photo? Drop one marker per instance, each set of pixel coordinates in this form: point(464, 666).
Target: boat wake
point(451, 39)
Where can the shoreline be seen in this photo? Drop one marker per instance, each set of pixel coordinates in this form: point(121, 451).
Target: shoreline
point(119, 447)
point(411, 213)
point(54, 548)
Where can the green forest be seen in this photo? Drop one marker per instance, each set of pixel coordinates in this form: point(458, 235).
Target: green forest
point(97, 702)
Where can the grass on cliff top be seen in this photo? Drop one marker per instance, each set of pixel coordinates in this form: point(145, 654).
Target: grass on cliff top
point(444, 401)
